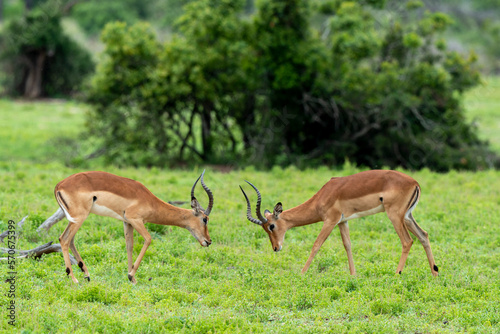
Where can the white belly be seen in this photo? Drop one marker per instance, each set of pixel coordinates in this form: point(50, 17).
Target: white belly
point(373, 211)
point(102, 210)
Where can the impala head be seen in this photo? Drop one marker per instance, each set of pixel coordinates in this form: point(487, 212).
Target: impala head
point(270, 222)
point(199, 224)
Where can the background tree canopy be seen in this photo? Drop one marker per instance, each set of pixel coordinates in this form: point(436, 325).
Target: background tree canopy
point(37, 57)
point(266, 83)
point(270, 88)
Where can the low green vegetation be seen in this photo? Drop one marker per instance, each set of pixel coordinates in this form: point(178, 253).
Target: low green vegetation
point(239, 284)
point(45, 132)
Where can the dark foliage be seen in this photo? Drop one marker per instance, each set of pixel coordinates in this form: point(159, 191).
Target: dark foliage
point(38, 58)
point(273, 90)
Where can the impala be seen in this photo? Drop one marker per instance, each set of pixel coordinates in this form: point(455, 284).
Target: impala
point(114, 196)
point(344, 198)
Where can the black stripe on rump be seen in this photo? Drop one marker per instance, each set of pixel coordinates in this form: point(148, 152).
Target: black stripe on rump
point(62, 199)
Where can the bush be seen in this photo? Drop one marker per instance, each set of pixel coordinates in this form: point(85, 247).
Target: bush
point(149, 97)
point(93, 15)
point(275, 91)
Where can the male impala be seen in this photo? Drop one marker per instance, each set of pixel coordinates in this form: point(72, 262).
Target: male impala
point(114, 196)
point(344, 198)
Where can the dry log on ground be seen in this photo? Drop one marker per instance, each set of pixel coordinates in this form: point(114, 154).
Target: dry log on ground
point(37, 252)
point(51, 221)
point(18, 229)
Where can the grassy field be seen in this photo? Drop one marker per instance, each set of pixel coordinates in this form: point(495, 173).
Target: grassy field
point(239, 284)
point(483, 108)
point(33, 132)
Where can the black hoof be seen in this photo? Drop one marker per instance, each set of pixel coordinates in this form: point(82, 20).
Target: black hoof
point(87, 278)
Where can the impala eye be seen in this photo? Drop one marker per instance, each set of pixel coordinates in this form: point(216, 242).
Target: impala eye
point(271, 227)
point(205, 220)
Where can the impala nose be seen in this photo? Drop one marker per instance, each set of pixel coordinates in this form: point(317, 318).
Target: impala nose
point(275, 249)
point(208, 242)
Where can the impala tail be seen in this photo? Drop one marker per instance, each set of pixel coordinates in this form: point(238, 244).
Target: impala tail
point(413, 202)
point(64, 206)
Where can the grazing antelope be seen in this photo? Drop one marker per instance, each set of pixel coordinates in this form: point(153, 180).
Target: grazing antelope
point(344, 198)
point(114, 196)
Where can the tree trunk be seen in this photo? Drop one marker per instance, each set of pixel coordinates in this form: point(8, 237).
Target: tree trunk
point(33, 84)
point(28, 5)
point(206, 131)
point(1, 10)
point(247, 120)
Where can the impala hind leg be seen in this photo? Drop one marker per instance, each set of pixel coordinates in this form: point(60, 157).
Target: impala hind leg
point(406, 241)
point(346, 240)
point(129, 241)
point(78, 258)
point(423, 237)
point(65, 240)
point(141, 229)
point(328, 226)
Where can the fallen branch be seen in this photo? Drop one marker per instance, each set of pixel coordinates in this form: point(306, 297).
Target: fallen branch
point(19, 224)
point(37, 252)
point(52, 220)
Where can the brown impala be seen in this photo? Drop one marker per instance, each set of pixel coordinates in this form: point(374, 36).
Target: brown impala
point(114, 196)
point(344, 198)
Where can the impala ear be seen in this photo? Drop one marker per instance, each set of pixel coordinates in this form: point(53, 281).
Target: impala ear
point(278, 209)
point(266, 212)
point(195, 205)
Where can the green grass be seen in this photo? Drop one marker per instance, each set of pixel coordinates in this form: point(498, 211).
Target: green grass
point(43, 132)
point(29, 130)
point(239, 284)
point(483, 108)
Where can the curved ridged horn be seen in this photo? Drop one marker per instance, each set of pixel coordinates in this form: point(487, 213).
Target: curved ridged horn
point(210, 195)
point(257, 207)
point(194, 186)
point(249, 210)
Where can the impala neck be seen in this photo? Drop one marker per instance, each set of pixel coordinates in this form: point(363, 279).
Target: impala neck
point(303, 214)
point(167, 214)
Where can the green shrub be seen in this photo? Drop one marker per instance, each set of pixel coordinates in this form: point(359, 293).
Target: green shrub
point(274, 90)
point(94, 293)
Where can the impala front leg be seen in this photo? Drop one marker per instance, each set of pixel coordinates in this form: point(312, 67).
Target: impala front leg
point(141, 229)
point(346, 240)
point(325, 232)
point(129, 242)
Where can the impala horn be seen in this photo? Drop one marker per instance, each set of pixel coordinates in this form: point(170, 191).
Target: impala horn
point(261, 219)
point(210, 195)
point(208, 191)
